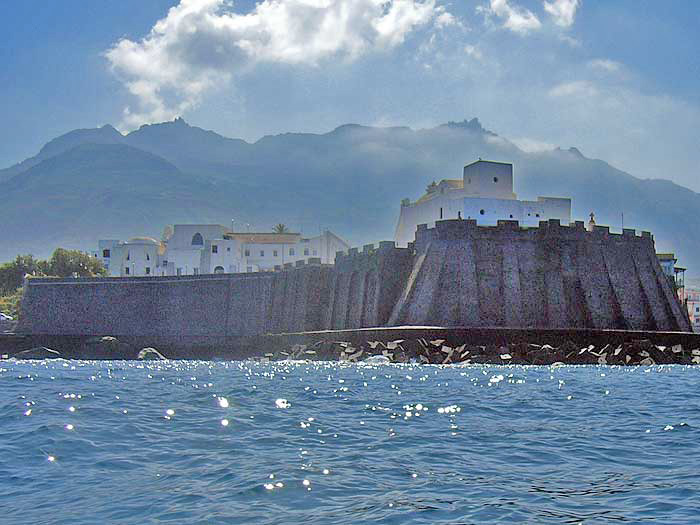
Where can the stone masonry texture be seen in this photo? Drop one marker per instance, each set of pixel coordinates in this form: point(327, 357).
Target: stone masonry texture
point(457, 274)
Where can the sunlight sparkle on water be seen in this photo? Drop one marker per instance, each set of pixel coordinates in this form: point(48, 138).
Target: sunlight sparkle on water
point(282, 403)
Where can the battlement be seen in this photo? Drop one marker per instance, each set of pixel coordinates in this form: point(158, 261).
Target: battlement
point(455, 229)
point(384, 248)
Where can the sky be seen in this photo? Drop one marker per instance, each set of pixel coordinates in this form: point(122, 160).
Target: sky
point(618, 80)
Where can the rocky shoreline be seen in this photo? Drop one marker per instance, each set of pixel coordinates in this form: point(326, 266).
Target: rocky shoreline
point(641, 352)
point(418, 350)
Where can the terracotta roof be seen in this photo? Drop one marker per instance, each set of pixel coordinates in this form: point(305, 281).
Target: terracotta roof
point(264, 237)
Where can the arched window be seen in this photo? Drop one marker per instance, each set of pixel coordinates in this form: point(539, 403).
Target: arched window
point(219, 269)
point(197, 240)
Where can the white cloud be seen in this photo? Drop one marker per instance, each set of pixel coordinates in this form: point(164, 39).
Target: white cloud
point(604, 64)
point(569, 40)
point(576, 88)
point(201, 45)
point(532, 145)
point(446, 19)
point(474, 52)
point(562, 12)
point(515, 18)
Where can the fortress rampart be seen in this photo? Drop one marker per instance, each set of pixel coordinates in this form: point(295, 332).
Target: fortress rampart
point(456, 274)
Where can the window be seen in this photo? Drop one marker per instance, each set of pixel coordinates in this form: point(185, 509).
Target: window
point(126, 270)
point(291, 251)
point(511, 215)
point(441, 213)
point(197, 239)
point(495, 179)
point(537, 214)
point(128, 256)
point(306, 251)
point(481, 212)
point(195, 271)
point(179, 271)
point(228, 248)
point(248, 269)
point(148, 270)
point(219, 269)
point(274, 253)
point(247, 253)
point(469, 180)
point(262, 253)
point(315, 253)
point(214, 248)
point(148, 257)
point(164, 263)
point(105, 254)
point(697, 309)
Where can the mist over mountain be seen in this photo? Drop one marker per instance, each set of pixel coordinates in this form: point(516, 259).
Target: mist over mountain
point(97, 183)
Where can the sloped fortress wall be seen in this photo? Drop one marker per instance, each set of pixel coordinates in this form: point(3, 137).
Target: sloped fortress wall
point(552, 276)
point(456, 274)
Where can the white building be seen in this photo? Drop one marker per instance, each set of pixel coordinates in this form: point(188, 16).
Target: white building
point(137, 256)
point(484, 193)
point(192, 249)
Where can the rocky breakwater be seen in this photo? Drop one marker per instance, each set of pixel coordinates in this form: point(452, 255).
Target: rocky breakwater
point(438, 352)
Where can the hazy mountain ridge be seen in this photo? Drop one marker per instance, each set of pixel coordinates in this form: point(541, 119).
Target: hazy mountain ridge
point(90, 184)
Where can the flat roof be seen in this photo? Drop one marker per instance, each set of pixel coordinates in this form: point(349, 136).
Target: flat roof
point(489, 161)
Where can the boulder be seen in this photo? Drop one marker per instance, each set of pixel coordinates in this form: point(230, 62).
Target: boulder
point(151, 354)
point(106, 347)
point(377, 360)
point(40, 352)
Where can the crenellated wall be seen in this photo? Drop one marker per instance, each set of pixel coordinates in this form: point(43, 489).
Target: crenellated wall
point(456, 274)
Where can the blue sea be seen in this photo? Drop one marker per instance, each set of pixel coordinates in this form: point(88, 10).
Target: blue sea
point(246, 442)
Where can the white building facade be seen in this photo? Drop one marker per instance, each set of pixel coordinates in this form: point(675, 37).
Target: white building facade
point(193, 249)
point(485, 194)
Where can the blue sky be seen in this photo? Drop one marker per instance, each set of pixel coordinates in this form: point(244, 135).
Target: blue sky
point(620, 80)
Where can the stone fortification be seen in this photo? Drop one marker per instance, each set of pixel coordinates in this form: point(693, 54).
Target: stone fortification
point(456, 274)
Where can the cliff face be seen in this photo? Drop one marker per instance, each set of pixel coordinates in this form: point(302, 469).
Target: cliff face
point(456, 274)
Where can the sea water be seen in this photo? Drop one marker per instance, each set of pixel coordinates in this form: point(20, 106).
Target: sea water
point(247, 442)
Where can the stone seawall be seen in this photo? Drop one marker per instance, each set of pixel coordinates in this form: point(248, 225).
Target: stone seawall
point(456, 274)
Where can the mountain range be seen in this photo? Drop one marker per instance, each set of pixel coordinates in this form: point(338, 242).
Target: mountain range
point(92, 184)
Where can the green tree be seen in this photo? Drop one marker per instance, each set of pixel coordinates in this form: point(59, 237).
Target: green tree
point(67, 263)
point(9, 304)
point(280, 228)
point(12, 273)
